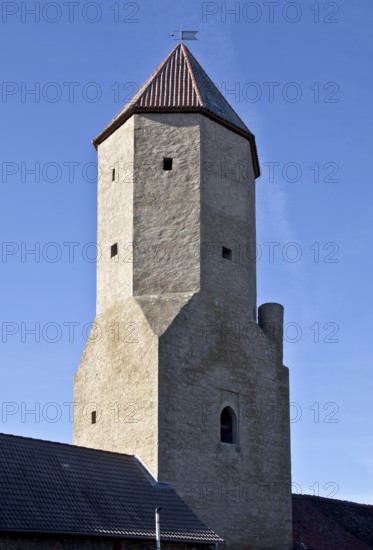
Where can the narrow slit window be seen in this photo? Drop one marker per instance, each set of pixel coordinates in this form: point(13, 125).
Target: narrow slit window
point(228, 426)
point(93, 417)
point(113, 174)
point(226, 253)
point(113, 250)
point(167, 164)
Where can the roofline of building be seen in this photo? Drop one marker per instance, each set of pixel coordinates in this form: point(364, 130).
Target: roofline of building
point(122, 536)
point(64, 444)
point(318, 498)
point(201, 110)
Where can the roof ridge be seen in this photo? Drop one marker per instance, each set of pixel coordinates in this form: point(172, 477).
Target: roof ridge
point(64, 444)
point(143, 88)
point(328, 499)
point(154, 74)
point(220, 94)
point(185, 51)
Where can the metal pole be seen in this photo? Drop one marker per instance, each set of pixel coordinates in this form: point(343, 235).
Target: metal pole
point(158, 527)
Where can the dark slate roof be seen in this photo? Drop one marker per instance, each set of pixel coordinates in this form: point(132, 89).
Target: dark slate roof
point(324, 523)
point(180, 84)
point(60, 488)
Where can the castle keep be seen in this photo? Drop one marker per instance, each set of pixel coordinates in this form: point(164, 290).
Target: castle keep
point(187, 374)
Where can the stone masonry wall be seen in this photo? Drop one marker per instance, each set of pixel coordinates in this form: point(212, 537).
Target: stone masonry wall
point(166, 224)
point(115, 217)
point(188, 342)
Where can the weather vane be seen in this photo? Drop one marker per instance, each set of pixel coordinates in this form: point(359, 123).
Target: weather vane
point(184, 35)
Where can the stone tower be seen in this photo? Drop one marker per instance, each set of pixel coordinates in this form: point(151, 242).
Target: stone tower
point(179, 369)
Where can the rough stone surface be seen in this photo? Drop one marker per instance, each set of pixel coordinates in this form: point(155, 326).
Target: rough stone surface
point(188, 343)
point(115, 217)
point(166, 205)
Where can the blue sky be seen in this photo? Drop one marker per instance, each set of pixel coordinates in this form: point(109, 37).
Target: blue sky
point(299, 75)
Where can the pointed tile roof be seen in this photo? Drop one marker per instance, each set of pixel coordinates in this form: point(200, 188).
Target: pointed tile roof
point(180, 84)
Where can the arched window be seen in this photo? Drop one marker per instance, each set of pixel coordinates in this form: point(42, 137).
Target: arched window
point(228, 426)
